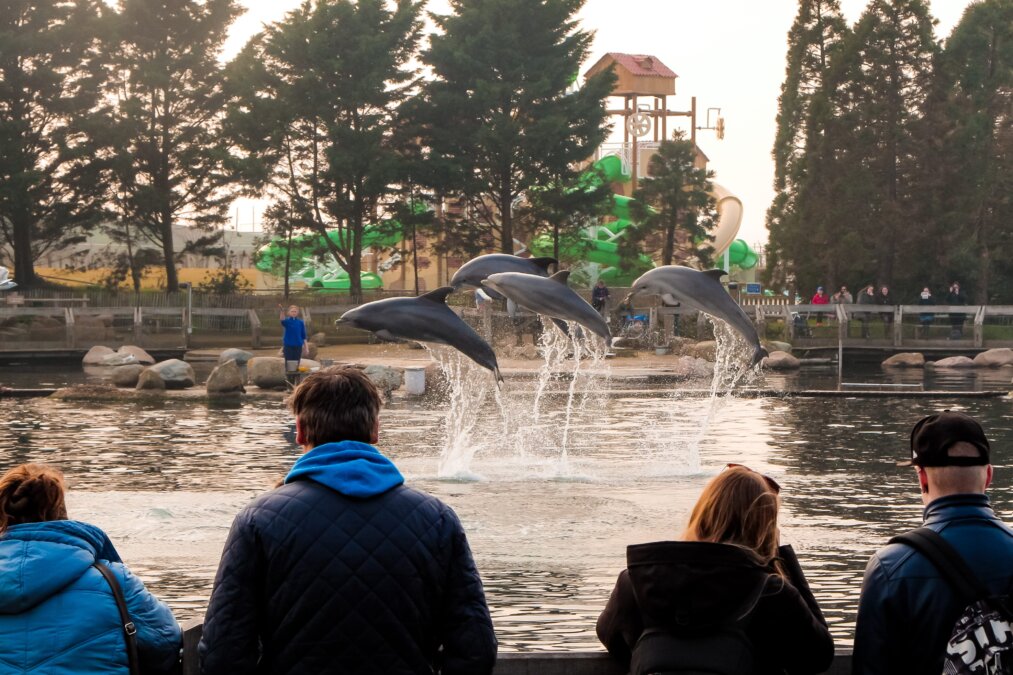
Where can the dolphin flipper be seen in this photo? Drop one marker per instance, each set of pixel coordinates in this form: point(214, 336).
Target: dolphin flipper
point(561, 325)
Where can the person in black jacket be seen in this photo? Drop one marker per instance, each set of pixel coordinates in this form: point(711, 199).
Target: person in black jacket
point(956, 297)
point(727, 599)
point(344, 569)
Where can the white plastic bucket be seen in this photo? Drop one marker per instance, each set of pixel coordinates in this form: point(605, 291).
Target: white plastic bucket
point(415, 381)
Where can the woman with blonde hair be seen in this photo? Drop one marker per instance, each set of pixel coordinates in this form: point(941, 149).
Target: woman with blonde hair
point(58, 611)
point(726, 599)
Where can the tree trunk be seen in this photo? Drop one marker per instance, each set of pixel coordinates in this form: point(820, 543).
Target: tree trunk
point(506, 211)
point(24, 265)
point(555, 241)
point(169, 253)
point(288, 256)
point(668, 246)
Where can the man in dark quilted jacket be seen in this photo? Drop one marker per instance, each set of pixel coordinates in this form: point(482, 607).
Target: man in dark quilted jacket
point(344, 569)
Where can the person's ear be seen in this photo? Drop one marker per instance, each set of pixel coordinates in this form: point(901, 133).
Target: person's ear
point(988, 476)
point(374, 437)
point(923, 480)
point(300, 437)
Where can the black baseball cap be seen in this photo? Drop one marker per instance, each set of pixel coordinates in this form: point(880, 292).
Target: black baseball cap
point(933, 436)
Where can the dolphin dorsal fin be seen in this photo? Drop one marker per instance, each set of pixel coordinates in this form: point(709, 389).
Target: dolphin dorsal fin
point(439, 295)
point(561, 276)
point(716, 274)
point(544, 262)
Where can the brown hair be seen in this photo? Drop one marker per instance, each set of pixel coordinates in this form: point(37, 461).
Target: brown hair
point(336, 404)
point(738, 507)
point(31, 493)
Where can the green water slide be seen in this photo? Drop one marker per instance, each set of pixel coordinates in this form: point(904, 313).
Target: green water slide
point(311, 263)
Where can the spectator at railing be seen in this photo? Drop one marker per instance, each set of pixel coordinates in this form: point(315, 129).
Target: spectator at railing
point(925, 319)
point(884, 298)
point(956, 297)
point(867, 296)
point(820, 298)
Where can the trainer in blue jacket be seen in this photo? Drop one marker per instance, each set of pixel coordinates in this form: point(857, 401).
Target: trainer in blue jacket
point(344, 569)
point(57, 612)
point(908, 609)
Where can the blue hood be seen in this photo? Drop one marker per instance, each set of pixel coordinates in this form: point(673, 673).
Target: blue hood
point(352, 468)
point(38, 560)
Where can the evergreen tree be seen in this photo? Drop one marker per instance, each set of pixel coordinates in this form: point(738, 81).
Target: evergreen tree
point(51, 73)
point(675, 197)
point(316, 115)
point(170, 96)
point(563, 211)
point(817, 32)
point(500, 115)
point(969, 147)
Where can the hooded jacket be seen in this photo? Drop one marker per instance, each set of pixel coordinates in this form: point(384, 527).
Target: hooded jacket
point(57, 612)
point(907, 609)
point(695, 588)
point(345, 570)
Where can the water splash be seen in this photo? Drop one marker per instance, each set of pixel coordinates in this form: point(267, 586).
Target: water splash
point(468, 387)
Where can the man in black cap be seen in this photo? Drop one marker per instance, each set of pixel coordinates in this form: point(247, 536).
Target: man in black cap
point(908, 608)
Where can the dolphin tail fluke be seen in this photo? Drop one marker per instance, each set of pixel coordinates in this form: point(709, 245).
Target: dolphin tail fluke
point(759, 354)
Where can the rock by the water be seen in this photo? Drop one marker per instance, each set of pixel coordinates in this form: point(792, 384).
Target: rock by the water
point(117, 359)
point(150, 379)
point(96, 354)
point(139, 354)
point(781, 361)
point(691, 367)
point(951, 362)
point(175, 373)
point(89, 392)
point(311, 350)
point(267, 372)
point(776, 346)
point(226, 379)
point(905, 360)
point(385, 378)
point(126, 376)
point(241, 357)
point(995, 358)
point(319, 339)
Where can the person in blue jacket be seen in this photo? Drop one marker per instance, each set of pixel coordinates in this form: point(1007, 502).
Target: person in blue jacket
point(344, 568)
point(293, 341)
point(57, 612)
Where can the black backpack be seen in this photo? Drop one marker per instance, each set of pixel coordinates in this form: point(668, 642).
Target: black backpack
point(981, 642)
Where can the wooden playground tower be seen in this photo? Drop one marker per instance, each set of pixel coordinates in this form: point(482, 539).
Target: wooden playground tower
point(645, 83)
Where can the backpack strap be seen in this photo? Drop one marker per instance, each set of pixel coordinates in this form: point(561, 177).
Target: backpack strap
point(947, 560)
point(129, 629)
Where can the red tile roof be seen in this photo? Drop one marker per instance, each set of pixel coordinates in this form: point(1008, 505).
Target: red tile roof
point(642, 65)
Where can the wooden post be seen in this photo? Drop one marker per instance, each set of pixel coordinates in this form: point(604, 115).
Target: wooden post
point(186, 322)
point(692, 122)
point(254, 327)
point(633, 149)
point(979, 327)
point(307, 317)
point(68, 318)
point(898, 326)
point(138, 325)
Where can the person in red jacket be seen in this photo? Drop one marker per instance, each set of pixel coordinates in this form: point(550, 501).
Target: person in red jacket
point(821, 298)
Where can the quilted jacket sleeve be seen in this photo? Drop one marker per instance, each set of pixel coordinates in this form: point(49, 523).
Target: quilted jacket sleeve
point(469, 643)
point(230, 643)
point(159, 637)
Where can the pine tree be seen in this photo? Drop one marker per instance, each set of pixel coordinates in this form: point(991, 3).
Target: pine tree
point(501, 115)
point(169, 92)
point(818, 31)
point(675, 197)
point(972, 156)
point(51, 110)
point(317, 116)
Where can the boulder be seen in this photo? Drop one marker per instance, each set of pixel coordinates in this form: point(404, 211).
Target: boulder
point(175, 373)
point(678, 343)
point(238, 355)
point(95, 355)
point(150, 379)
point(706, 350)
point(690, 367)
point(951, 362)
point(319, 339)
point(117, 359)
point(126, 376)
point(225, 379)
point(139, 354)
point(994, 358)
point(311, 351)
point(776, 346)
point(781, 361)
point(267, 372)
point(905, 360)
point(385, 378)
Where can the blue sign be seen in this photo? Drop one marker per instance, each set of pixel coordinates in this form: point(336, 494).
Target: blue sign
point(753, 289)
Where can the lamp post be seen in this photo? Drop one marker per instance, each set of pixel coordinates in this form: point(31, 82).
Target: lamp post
point(189, 312)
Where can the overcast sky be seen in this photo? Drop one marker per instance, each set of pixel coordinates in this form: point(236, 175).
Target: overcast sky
point(728, 53)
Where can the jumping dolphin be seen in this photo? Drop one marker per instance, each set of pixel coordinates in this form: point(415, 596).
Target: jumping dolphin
point(551, 297)
point(702, 291)
point(426, 319)
point(475, 270)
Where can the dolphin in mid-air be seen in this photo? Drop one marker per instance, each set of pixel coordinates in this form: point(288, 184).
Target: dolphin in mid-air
point(702, 291)
point(473, 272)
point(425, 319)
point(551, 297)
